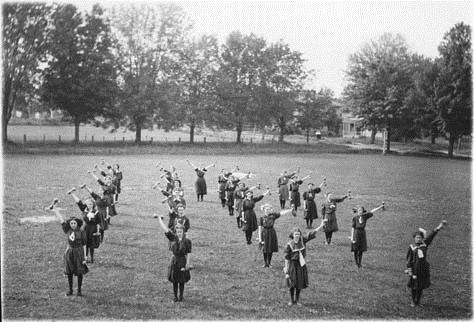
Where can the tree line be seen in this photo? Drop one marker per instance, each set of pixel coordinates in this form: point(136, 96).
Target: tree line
point(139, 66)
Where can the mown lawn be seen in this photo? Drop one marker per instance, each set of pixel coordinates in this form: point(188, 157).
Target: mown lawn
point(128, 280)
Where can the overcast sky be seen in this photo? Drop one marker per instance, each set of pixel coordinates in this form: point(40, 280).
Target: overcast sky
point(327, 32)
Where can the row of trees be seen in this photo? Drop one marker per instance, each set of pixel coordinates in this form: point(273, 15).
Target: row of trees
point(137, 66)
point(409, 95)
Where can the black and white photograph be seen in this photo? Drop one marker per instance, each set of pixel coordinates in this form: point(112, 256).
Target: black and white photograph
point(236, 160)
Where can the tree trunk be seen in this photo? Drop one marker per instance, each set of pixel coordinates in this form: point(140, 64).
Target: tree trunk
point(239, 132)
point(4, 130)
point(372, 136)
point(452, 138)
point(434, 134)
point(77, 122)
point(459, 143)
point(138, 133)
point(388, 140)
point(307, 136)
point(281, 124)
point(6, 109)
point(191, 132)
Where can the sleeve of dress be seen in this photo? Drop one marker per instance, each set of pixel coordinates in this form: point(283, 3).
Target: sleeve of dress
point(65, 227)
point(258, 198)
point(368, 215)
point(354, 222)
point(81, 205)
point(83, 237)
point(337, 199)
point(317, 190)
point(276, 215)
point(102, 173)
point(309, 236)
point(95, 196)
point(287, 252)
point(119, 176)
point(299, 182)
point(166, 193)
point(430, 237)
point(101, 182)
point(189, 246)
point(187, 224)
point(410, 258)
point(170, 235)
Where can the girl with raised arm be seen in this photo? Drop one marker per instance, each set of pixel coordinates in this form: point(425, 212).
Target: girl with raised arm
point(108, 191)
point(201, 186)
point(358, 237)
point(249, 218)
point(267, 236)
point(75, 254)
point(90, 215)
point(283, 191)
point(295, 183)
point(329, 215)
point(102, 209)
point(418, 267)
point(178, 270)
point(296, 272)
point(309, 205)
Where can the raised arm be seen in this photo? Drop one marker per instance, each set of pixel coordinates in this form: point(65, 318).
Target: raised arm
point(192, 165)
point(431, 236)
point(210, 166)
point(162, 224)
point(71, 193)
point(382, 206)
point(94, 175)
point(306, 177)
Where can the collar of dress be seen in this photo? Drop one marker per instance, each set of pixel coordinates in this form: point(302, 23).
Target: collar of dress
point(293, 246)
point(414, 247)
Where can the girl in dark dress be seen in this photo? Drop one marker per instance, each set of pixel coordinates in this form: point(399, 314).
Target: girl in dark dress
point(222, 179)
point(90, 215)
point(201, 186)
point(358, 237)
point(249, 218)
point(267, 236)
point(329, 212)
point(309, 206)
point(229, 189)
point(295, 269)
point(418, 267)
point(178, 270)
point(102, 211)
point(239, 196)
point(295, 183)
point(75, 254)
point(108, 192)
point(283, 191)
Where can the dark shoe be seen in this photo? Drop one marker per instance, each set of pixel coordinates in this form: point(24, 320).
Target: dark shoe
point(180, 299)
point(69, 293)
point(176, 299)
point(79, 293)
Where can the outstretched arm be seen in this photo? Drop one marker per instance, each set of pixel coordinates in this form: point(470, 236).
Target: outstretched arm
point(71, 193)
point(192, 165)
point(93, 175)
point(286, 212)
point(382, 206)
point(162, 224)
point(306, 177)
point(210, 166)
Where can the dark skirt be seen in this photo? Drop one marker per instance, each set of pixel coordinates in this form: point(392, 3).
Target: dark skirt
point(175, 274)
point(295, 198)
point(238, 207)
point(73, 258)
point(311, 212)
point(93, 239)
point(283, 191)
point(298, 275)
point(270, 241)
point(201, 186)
point(230, 198)
point(251, 221)
point(360, 241)
point(221, 191)
point(421, 270)
point(331, 224)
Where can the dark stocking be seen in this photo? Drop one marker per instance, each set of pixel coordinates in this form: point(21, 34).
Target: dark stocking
point(292, 294)
point(310, 222)
point(92, 254)
point(101, 235)
point(175, 291)
point(282, 204)
point(248, 236)
point(231, 211)
point(418, 296)
point(269, 258)
point(69, 280)
point(328, 237)
point(238, 222)
point(297, 295)
point(413, 295)
point(181, 291)
point(265, 258)
point(79, 285)
point(356, 257)
point(360, 258)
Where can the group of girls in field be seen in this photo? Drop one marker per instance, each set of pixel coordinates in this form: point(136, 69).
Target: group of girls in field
point(85, 233)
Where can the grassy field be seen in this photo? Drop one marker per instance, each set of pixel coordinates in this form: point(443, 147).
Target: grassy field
point(128, 280)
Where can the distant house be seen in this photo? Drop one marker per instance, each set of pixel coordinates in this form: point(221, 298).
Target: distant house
point(352, 126)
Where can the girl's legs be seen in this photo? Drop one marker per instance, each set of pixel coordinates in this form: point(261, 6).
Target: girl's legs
point(418, 296)
point(292, 295)
point(175, 291)
point(92, 255)
point(269, 259)
point(307, 222)
point(297, 298)
point(79, 285)
point(282, 203)
point(413, 296)
point(198, 197)
point(69, 280)
point(310, 223)
point(231, 211)
point(360, 259)
point(102, 235)
point(265, 258)
point(356, 257)
point(223, 202)
point(202, 197)
point(238, 222)
point(181, 291)
point(328, 237)
point(248, 236)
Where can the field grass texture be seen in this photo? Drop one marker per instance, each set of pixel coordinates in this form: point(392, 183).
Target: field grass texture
point(128, 279)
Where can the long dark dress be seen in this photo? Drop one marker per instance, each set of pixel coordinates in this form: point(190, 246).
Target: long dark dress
point(416, 260)
point(311, 211)
point(92, 220)
point(74, 254)
point(221, 183)
point(269, 236)
point(109, 195)
point(295, 193)
point(329, 212)
point(201, 186)
point(239, 195)
point(298, 274)
point(250, 218)
point(229, 192)
point(102, 206)
point(283, 187)
point(179, 249)
point(358, 223)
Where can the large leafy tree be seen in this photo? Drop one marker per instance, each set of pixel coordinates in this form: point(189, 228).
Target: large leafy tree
point(238, 80)
point(312, 109)
point(151, 38)
point(282, 76)
point(80, 78)
point(199, 64)
point(378, 79)
point(455, 83)
point(25, 43)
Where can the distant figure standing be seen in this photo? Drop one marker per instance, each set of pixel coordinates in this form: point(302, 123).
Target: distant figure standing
point(295, 200)
point(283, 191)
point(309, 205)
point(329, 215)
point(201, 186)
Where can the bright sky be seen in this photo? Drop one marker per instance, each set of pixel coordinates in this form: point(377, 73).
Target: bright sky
point(327, 32)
